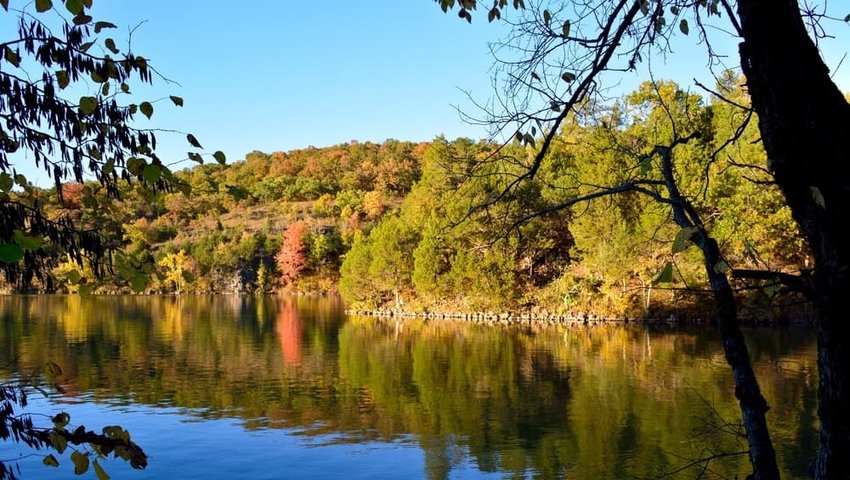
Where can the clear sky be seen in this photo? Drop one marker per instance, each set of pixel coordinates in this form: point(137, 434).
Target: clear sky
point(283, 74)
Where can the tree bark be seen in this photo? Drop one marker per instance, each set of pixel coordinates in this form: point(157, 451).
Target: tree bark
point(805, 126)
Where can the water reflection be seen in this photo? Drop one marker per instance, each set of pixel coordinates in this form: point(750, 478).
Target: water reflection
point(601, 402)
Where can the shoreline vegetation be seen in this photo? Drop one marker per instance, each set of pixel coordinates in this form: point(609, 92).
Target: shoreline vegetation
point(398, 226)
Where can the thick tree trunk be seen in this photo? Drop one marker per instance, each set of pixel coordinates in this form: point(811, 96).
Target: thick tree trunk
point(805, 126)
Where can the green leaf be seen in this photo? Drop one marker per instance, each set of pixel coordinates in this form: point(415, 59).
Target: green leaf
point(645, 165)
point(493, 14)
point(84, 290)
point(100, 472)
point(136, 165)
point(665, 276)
point(86, 46)
point(151, 173)
point(125, 88)
point(683, 26)
point(565, 30)
point(104, 90)
point(146, 109)
point(177, 101)
point(110, 44)
point(683, 238)
point(195, 157)
point(27, 242)
point(74, 6)
point(10, 253)
point(193, 141)
point(50, 461)
point(547, 17)
point(187, 276)
point(568, 76)
point(11, 56)
point(96, 78)
point(21, 180)
point(98, 26)
point(220, 157)
point(43, 5)
point(88, 105)
point(5, 4)
point(847, 18)
point(6, 182)
point(62, 78)
point(82, 19)
point(81, 462)
point(817, 196)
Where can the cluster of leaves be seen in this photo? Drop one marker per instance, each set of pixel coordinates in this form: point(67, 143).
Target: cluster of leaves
point(87, 448)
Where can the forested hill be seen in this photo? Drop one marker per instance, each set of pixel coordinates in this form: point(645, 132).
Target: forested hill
point(402, 224)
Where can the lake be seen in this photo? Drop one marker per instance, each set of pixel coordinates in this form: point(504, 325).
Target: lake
point(290, 387)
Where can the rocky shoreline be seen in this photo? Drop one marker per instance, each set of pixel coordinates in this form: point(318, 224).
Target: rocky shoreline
point(528, 319)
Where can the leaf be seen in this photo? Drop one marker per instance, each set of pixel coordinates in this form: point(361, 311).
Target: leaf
point(151, 173)
point(82, 19)
point(74, 6)
point(683, 26)
point(81, 462)
point(721, 267)
point(125, 88)
point(146, 108)
point(493, 14)
point(847, 18)
point(535, 76)
point(645, 165)
point(62, 78)
point(565, 30)
point(100, 472)
point(6, 182)
point(187, 276)
point(547, 17)
point(220, 157)
point(43, 5)
point(21, 180)
point(59, 442)
point(11, 57)
point(27, 242)
point(177, 101)
point(110, 44)
point(86, 46)
point(98, 26)
point(84, 290)
point(104, 90)
point(50, 461)
point(5, 4)
point(568, 76)
point(683, 238)
point(88, 105)
point(644, 6)
point(193, 141)
point(195, 157)
point(10, 253)
point(818, 197)
point(665, 276)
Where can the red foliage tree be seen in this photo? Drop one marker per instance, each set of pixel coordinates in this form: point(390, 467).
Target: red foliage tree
point(292, 258)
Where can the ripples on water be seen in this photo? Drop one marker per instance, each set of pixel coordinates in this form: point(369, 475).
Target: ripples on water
point(278, 387)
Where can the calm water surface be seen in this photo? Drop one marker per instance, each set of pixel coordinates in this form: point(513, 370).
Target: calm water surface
point(278, 387)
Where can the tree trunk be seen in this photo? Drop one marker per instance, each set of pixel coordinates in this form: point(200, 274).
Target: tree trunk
point(805, 126)
point(750, 400)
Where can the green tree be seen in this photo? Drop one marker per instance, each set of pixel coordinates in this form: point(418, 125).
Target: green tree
point(802, 117)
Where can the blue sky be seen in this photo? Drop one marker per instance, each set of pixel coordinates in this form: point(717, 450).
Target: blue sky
point(278, 75)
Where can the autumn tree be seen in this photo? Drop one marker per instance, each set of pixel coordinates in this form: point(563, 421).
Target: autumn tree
point(292, 257)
